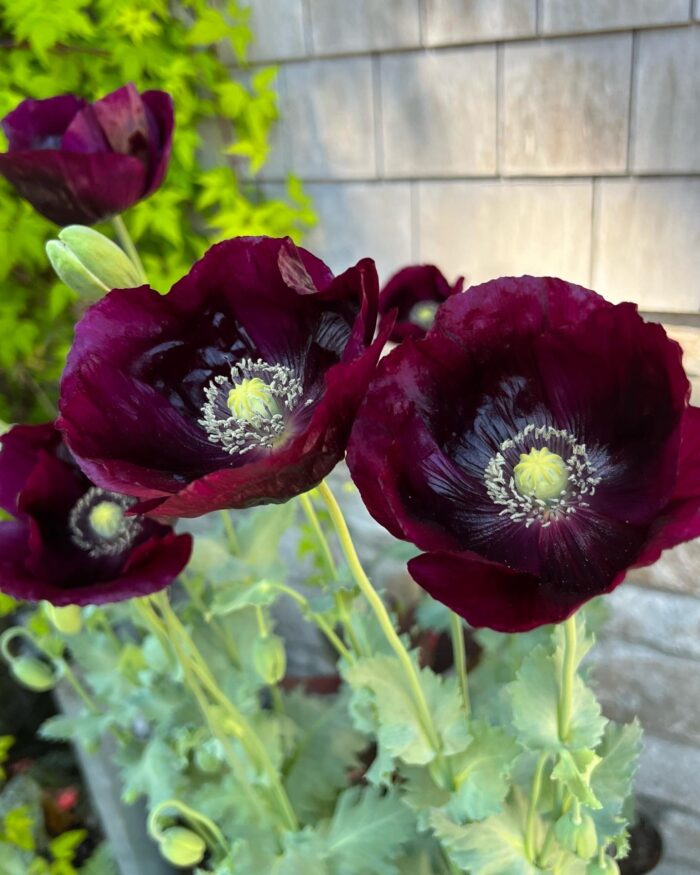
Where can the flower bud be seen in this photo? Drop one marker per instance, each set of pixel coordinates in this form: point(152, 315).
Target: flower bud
point(33, 674)
point(270, 658)
point(207, 758)
point(90, 263)
point(581, 837)
point(68, 620)
point(182, 847)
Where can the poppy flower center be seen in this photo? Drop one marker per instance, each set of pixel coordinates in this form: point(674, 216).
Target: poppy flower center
point(252, 398)
point(98, 523)
point(250, 408)
point(423, 313)
point(106, 518)
point(541, 475)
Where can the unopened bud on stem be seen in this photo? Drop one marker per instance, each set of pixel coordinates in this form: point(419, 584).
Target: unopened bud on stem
point(90, 263)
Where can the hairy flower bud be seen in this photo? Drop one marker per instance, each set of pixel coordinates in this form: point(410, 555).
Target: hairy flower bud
point(90, 263)
point(33, 674)
point(182, 847)
point(67, 620)
point(270, 658)
point(581, 837)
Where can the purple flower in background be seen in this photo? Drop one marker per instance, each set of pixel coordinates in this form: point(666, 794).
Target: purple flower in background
point(415, 293)
point(70, 542)
point(237, 388)
point(535, 445)
point(80, 163)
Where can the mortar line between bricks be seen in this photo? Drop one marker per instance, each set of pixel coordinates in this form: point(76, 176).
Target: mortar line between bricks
point(632, 106)
point(593, 254)
point(641, 642)
point(307, 23)
point(378, 116)
point(500, 107)
point(416, 48)
point(538, 17)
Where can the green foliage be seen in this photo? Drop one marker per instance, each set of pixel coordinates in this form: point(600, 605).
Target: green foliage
point(8, 605)
point(534, 697)
point(366, 831)
point(494, 847)
point(6, 742)
point(26, 848)
point(383, 704)
point(326, 749)
point(511, 792)
point(91, 47)
point(482, 773)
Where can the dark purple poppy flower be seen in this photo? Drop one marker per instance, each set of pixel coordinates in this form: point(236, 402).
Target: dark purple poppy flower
point(415, 293)
point(70, 542)
point(80, 163)
point(237, 388)
point(535, 445)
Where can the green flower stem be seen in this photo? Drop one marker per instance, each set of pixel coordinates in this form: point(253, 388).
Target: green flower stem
point(102, 621)
point(341, 607)
point(217, 628)
point(127, 244)
point(72, 679)
point(568, 678)
point(460, 658)
point(315, 523)
point(319, 620)
point(382, 616)
point(206, 828)
point(150, 615)
point(231, 535)
point(242, 728)
point(530, 851)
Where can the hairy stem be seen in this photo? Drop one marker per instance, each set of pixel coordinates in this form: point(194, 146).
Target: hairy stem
point(460, 658)
point(382, 616)
point(127, 244)
point(530, 850)
point(329, 561)
point(568, 678)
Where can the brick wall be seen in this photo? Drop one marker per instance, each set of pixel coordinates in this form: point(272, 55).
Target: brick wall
point(497, 136)
point(525, 136)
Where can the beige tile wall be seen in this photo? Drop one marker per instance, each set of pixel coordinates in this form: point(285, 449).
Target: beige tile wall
point(552, 136)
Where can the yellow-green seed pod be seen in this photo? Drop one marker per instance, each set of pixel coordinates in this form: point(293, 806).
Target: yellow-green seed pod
point(33, 674)
point(581, 837)
point(90, 263)
point(68, 620)
point(206, 758)
point(270, 658)
point(182, 847)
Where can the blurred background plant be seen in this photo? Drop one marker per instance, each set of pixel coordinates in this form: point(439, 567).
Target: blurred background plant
point(224, 114)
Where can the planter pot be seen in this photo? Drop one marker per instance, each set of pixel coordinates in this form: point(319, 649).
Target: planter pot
point(124, 826)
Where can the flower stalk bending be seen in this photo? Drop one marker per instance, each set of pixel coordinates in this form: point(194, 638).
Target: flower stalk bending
point(382, 615)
